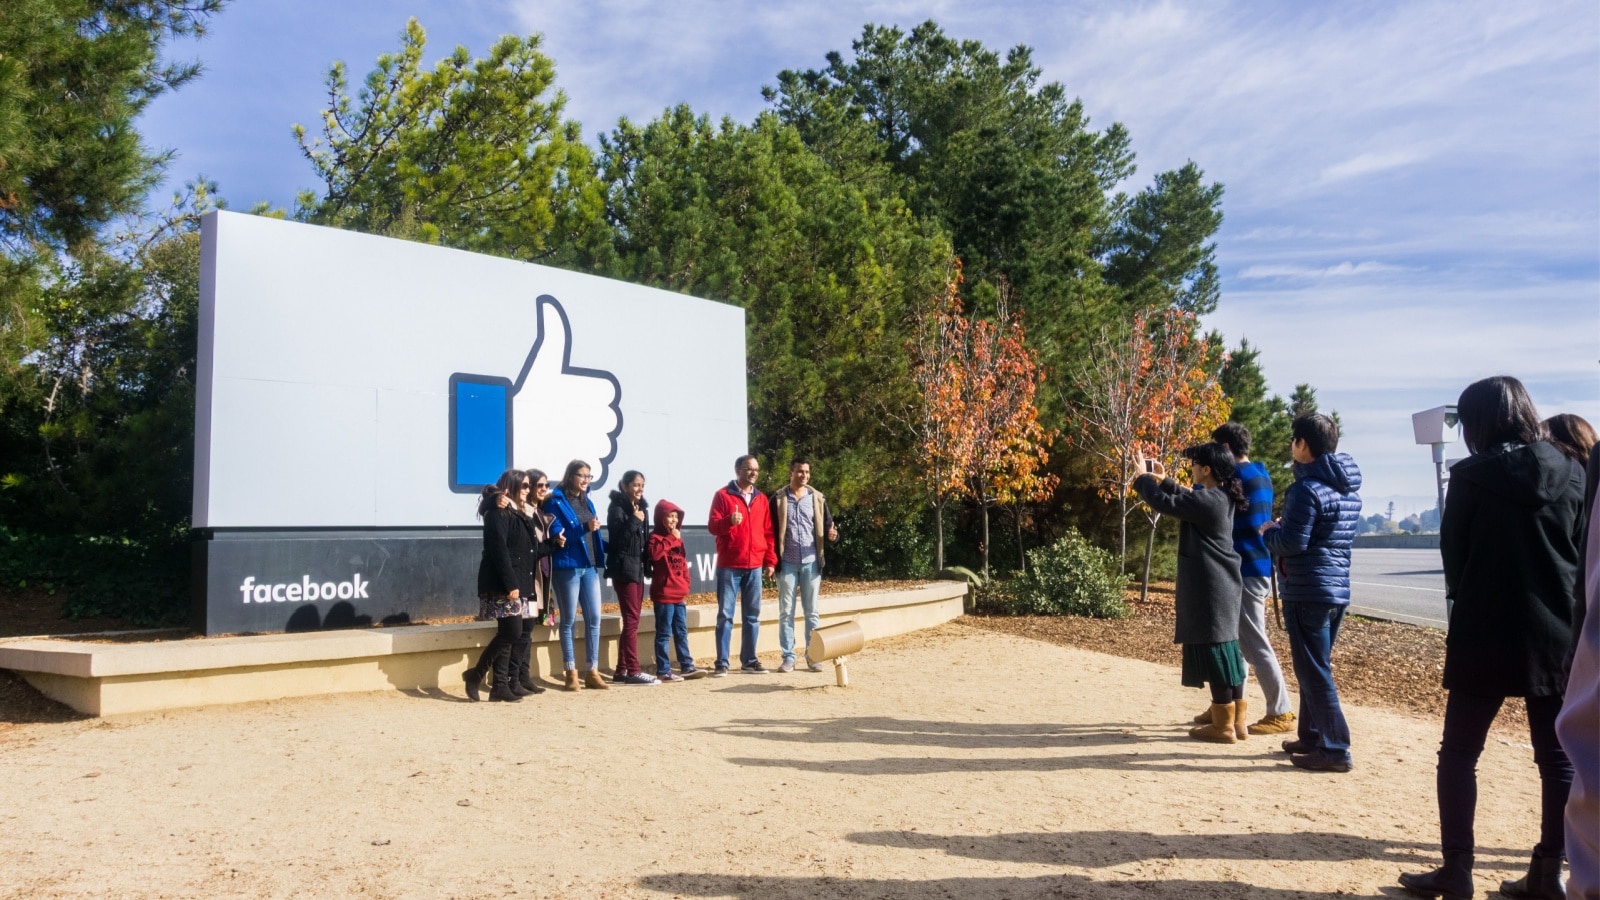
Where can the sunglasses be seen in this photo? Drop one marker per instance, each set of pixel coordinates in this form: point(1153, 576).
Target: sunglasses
point(542, 486)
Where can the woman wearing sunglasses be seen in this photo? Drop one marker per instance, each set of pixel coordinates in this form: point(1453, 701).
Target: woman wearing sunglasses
point(508, 589)
point(575, 572)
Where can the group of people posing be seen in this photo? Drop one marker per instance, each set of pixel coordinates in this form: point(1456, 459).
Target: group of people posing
point(1512, 536)
point(544, 558)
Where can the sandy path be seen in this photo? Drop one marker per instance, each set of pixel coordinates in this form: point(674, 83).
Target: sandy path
point(960, 764)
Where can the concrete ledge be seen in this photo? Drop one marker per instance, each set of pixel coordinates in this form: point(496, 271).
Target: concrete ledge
point(106, 679)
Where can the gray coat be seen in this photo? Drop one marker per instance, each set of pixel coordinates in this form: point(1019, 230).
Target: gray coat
point(1209, 584)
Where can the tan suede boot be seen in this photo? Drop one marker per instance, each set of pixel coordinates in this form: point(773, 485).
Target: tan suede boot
point(1220, 731)
point(1279, 724)
point(1203, 718)
point(592, 679)
point(572, 680)
point(1239, 731)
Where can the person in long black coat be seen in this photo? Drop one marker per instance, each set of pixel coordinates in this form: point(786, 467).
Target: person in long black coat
point(1209, 584)
point(507, 578)
point(1510, 539)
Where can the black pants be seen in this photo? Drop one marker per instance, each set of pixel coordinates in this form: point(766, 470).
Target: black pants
point(1466, 724)
point(1226, 693)
point(508, 633)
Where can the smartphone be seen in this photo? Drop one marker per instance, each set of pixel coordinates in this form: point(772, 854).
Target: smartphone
point(1149, 467)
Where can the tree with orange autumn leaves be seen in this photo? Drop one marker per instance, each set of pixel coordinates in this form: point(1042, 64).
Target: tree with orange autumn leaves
point(978, 424)
point(1145, 389)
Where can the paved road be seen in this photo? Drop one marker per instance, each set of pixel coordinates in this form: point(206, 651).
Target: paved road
point(1403, 585)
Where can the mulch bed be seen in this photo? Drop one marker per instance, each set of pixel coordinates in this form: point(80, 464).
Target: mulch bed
point(1382, 664)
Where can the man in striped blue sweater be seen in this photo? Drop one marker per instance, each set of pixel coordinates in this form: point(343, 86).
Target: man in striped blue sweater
point(1255, 563)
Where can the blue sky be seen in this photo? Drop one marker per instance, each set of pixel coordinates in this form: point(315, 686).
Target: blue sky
point(1413, 190)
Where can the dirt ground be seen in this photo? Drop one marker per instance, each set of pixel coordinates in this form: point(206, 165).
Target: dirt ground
point(960, 763)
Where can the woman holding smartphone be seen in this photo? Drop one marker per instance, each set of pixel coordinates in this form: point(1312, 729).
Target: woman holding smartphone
point(507, 579)
point(575, 571)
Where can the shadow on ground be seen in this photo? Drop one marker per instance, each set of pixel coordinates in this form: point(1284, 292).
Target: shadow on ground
point(746, 887)
point(21, 704)
point(891, 731)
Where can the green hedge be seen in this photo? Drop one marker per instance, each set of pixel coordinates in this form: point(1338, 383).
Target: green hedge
point(141, 581)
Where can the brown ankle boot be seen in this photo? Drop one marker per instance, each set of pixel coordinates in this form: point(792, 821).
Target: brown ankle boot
point(1278, 724)
point(1203, 717)
point(572, 680)
point(1239, 726)
point(592, 679)
point(1220, 731)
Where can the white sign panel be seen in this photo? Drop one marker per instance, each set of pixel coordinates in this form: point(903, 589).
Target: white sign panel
point(347, 380)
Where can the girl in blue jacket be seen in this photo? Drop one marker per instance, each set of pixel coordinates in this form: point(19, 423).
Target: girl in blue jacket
point(575, 571)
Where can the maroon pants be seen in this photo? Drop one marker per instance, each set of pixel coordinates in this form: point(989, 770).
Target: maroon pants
point(630, 596)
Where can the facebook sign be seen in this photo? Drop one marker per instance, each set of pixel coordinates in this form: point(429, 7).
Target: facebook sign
point(354, 392)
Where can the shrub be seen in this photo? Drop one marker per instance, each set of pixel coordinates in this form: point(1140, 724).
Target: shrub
point(1071, 577)
point(143, 581)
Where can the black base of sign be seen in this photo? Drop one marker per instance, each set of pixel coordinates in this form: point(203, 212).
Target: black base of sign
point(265, 581)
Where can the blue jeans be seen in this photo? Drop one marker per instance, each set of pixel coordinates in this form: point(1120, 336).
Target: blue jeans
point(574, 586)
point(808, 578)
point(745, 585)
point(1313, 627)
point(672, 627)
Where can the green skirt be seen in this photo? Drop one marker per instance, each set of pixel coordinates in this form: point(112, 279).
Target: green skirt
point(1212, 663)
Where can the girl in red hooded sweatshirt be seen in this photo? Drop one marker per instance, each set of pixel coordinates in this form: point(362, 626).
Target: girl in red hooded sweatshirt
point(669, 584)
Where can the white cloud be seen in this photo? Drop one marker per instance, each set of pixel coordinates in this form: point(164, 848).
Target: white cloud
point(1372, 163)
point(1340, 270)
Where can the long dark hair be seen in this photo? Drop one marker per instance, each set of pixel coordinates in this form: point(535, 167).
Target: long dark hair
point(569, 481)
point(1572, 435)
point(1219, 459)
point(509, 484)
point(1495, 411)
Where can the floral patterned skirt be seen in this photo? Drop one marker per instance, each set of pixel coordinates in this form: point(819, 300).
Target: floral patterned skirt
point(501, 607)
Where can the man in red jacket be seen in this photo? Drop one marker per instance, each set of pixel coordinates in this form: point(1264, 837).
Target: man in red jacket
point(742, 523)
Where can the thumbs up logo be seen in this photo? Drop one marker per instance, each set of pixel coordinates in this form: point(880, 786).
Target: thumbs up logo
point(553, 412)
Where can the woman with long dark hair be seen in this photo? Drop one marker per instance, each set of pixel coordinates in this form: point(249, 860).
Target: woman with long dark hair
point(1572, 435)
point(537, 602)
point(1510, 539)
point(628, 528)
point(1209, 584)
point(507, 579)
point(575, 572)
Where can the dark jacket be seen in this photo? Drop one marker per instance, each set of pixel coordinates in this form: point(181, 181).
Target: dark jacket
point(1320, 512)
point(747, 545)
point(669, 573)
point(626, 535)
point(511, 554)
point(565, 521)
point(1513, 520)
point(1209, 583)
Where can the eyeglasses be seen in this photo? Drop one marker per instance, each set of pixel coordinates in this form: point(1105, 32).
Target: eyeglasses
point(525, 487)
point(542, 486)
point(585, 477)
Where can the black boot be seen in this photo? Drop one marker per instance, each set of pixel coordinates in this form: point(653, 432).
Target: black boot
point(503, 678)
point(1452, 881)
point(1543, 880)
point(474, 679)
point(522, 682)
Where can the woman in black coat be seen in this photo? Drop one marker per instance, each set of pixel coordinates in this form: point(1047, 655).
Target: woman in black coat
point(1510, 539)
point(1209, 584)
point(507, 579)
point(627, 533)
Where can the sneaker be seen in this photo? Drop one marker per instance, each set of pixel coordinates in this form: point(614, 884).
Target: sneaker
point(1317, 762)
point(755, 668)
point(787, 667)
point(814, 667)
point(640, 678)
point(668, 677)
point(690, 673)
point(1274, 724)
point(719, 672)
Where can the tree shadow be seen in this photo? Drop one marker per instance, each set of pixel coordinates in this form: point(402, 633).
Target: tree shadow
point(1256, 765)
point(771, 887)
point(891, 731)
point(1100, 849)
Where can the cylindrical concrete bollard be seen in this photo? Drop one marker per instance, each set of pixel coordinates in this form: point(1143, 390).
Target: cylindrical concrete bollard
point(836, 640)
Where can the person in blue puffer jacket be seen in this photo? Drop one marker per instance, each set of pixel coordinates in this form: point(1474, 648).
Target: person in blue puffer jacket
point(1311, 544)
point(575, 572)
